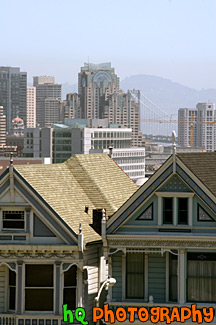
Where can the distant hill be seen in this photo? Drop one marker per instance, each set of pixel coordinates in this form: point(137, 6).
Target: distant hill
point(167, 94)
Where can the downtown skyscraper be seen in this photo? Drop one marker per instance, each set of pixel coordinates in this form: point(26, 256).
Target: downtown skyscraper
point(13, 94)
point(99, 96)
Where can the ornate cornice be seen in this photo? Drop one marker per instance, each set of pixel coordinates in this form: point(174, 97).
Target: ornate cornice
point(162, 243)
point(36, 254)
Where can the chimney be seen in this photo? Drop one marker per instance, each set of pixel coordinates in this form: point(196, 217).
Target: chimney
point(97, 217)
point(110, 151)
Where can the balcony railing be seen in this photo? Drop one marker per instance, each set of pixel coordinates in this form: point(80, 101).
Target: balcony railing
point(9, 319)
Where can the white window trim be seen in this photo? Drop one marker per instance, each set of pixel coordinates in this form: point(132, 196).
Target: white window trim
point(175, 195)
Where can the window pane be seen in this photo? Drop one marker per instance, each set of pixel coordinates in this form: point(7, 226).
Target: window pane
point(12, 278)
point(70, 277)
point(12, 298)
point(167, 210)
point(183, 211)
point(39, 299)
point(39, 275)
point(70, 298)
point(173, 287)
point(13, 219)
point(134, 275)
point(12, 290)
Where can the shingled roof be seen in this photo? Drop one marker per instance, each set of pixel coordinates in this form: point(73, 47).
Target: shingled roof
point(203, 166)
point(92, 180)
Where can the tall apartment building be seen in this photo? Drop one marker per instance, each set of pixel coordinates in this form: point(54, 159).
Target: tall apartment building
point(31, 107)
point(71, 106)
point(13, 94)
point(204, 133)
point(123, 109)
point(2, 127)
point(46, 89)
point(186, 116)
point(99, 96)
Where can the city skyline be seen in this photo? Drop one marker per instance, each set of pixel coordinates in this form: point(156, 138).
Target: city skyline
point(171, 39)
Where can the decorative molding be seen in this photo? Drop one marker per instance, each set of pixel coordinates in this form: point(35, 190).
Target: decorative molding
point(11, 265)
point(163, 243)
point(123, 250)
point(36, 254)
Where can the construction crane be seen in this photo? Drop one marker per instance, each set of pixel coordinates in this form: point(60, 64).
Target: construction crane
point(192, 122)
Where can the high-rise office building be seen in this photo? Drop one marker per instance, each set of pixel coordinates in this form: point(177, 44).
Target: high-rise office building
point(45, 88)
point(95, 83)
point(199, 121)
point(52, 110)
point(31, 107)
point(99, 96)
point(13, 93)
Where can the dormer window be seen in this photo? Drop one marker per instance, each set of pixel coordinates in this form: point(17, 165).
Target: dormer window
point(175, 208)
point(13, 220)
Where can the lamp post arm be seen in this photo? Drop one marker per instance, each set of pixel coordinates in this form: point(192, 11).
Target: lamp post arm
point(99, 293)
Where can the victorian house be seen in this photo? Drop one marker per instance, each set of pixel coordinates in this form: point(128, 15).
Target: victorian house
point(50, 243)
point(161, 244)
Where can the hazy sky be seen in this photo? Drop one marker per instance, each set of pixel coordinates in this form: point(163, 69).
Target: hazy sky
point(174, 39)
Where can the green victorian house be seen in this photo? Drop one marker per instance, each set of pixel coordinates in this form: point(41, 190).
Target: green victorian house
point(161, 244)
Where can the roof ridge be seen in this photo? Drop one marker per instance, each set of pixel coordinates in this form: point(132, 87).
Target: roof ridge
point(93, 181)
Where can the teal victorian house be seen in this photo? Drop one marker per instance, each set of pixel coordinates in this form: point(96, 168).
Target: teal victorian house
point(161, 244)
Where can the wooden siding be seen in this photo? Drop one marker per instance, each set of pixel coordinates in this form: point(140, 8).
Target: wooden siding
point(2, 287)
point(117, 274)
point(92, 262)
point(157, 277)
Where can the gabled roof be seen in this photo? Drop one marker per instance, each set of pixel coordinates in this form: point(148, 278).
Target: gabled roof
point(92, 180)
point(203, 166)
point(202, 181)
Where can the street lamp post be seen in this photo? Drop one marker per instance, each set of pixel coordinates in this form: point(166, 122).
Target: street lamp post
point(109, 282)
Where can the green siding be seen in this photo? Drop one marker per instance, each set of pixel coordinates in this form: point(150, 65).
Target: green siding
point(117, 274)
point(157, 277)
